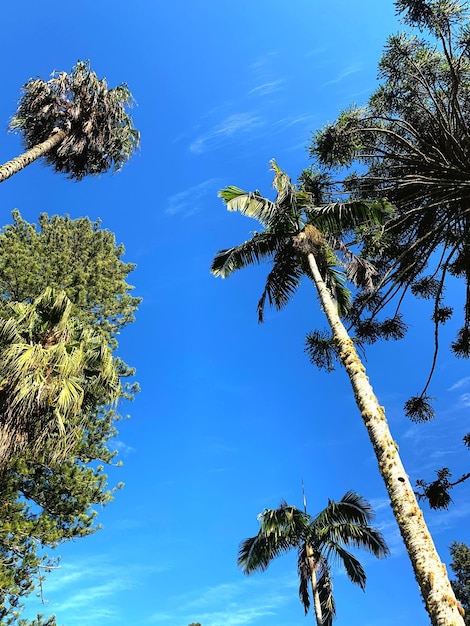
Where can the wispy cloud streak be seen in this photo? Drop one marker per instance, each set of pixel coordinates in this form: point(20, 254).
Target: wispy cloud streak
point(231, 126)
point(188, 201)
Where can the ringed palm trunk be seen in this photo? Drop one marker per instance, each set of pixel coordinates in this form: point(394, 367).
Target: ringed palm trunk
point(313, 581)
point(20, 162)
point(430, 572)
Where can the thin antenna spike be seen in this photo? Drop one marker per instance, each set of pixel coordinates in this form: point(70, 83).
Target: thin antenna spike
point(303, 494)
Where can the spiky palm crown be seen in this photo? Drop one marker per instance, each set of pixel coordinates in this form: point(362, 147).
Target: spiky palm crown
point(302, 219)
point(318, 540)
point(53, 371)
point(99, 133)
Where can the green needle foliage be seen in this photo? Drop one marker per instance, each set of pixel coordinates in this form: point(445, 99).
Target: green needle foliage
point(460, 565)
point(76, 123)
point(319, 541)
point(63, 299)
point(410, 144)
point(74, 255)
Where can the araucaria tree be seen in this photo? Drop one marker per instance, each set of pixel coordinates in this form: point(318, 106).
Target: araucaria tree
point(318, 540)
point(63, 299)
point(460, 565)
point(411, 143)
point(75, 122)
point(302, 236)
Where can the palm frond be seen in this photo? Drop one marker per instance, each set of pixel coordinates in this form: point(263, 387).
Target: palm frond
point(251, 204)
point(305, 577)
point(282, 281)
point(281, 530)
point(260, 247)
point(339, 218)
point(354, 570)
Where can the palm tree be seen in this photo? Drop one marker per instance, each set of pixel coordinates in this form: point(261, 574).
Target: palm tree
point(301, 238)
point(53, 370)
point(318, 541)
point(75, 122)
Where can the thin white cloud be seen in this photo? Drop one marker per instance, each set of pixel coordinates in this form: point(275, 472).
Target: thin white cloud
point(188, 202)
point(266, 88)
point(78, 590)
point(347, 72)
point(122, 448)
point(231, 604)
point(464, 400)
point(232, 125)
point(463, 382)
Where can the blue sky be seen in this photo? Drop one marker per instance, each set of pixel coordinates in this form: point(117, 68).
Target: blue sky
point(231, 417)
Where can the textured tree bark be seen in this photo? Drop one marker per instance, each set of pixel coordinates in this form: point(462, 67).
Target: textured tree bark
point(20, 162)
point(430, 572)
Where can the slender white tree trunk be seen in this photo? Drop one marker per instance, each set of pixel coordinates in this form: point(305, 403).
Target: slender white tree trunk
point(20, 162)
point(430, 572)
point(313, 581)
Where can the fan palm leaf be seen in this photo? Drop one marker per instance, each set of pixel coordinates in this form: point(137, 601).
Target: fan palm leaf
point(52, 369)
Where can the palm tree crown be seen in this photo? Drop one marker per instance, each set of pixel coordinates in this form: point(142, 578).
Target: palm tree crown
point(81, 124)
point(319, 541)
point(294, 224)
point(53, 370)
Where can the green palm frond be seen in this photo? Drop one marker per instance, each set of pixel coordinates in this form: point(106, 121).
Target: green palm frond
point(305, 577)
point(354, 570)
point(287, 521)
point(251, 204)
point(335, 280)
point(282, 281)
point(339, 218)
point(281, 530)
point(352, 508)
point(51, 370)
point(255, 250)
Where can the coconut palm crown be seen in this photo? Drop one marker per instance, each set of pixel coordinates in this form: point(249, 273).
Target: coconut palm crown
point(319, 541)
point(75, 122)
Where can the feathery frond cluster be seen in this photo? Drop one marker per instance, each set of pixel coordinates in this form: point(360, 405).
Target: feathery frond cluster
point(303, 219)
point(319, 541)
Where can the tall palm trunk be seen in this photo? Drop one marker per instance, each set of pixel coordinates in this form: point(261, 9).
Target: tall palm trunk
point(20, 162)
point(313, 581)
point(430, 573)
